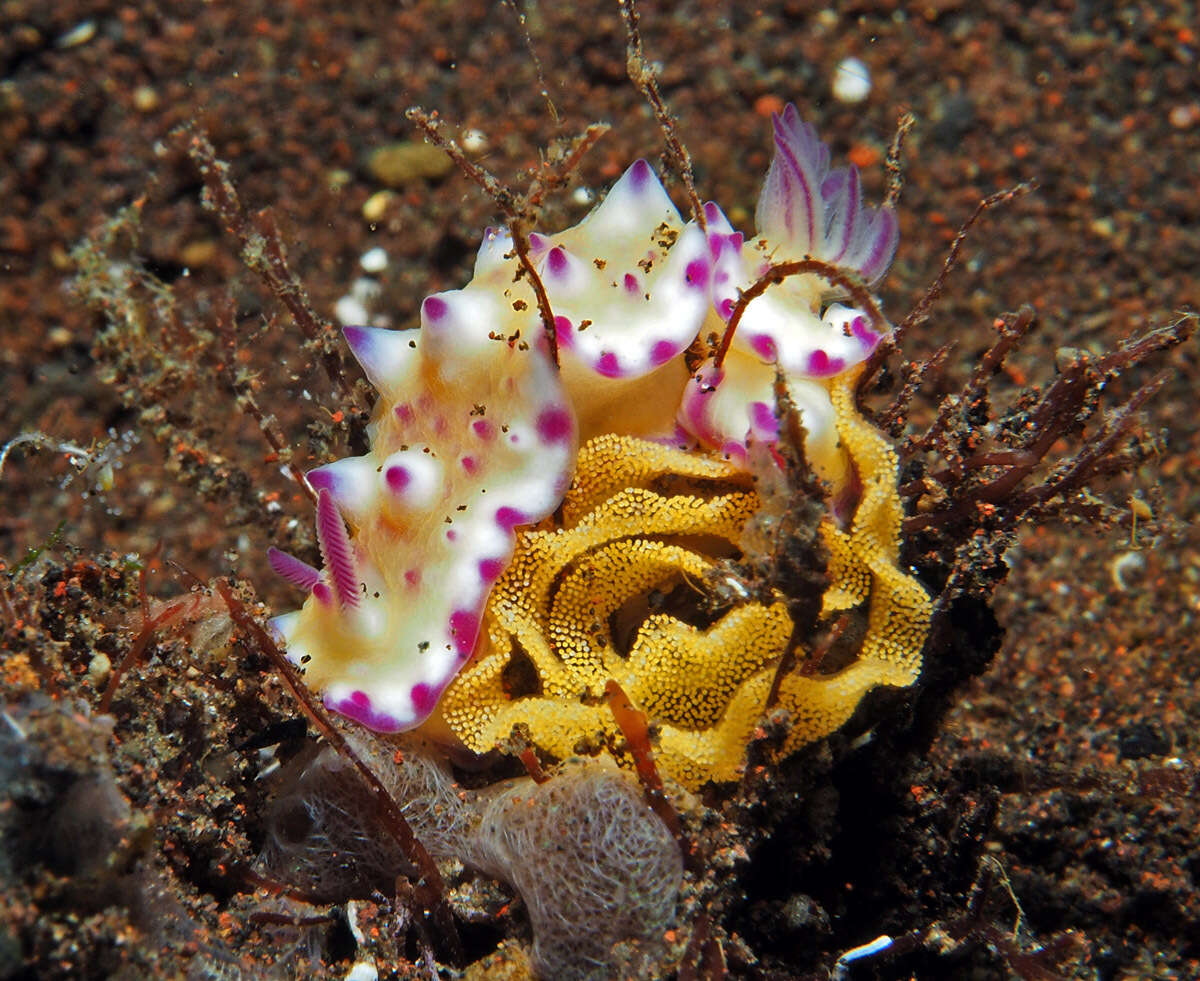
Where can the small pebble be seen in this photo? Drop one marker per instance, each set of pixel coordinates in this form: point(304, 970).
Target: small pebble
point(1126, 569)
point(145, 98)
point(98, 669)
point(474, 141)
point(338, 178)
point(374, 260)
point(851, 81)
point(407, 162)
point(376, 206)
point(200, 253)
point(58, 338)
point(79, 34)
point(1185, 117)
point(350, 311)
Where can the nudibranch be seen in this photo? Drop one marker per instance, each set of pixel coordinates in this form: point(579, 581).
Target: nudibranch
point(805, 210)
point(522, 531)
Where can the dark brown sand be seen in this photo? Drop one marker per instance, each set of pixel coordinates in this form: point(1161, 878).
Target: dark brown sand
point(1082, 732)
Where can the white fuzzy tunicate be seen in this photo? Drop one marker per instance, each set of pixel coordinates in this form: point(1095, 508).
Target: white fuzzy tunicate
point(851, 81)
point(592, 863)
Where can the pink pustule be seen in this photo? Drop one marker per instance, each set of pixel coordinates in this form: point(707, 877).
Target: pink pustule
point(640, 175)
point(490, 569)
point(554, 425)
point(764, 346)
point(464, 628)
point(337, 551)
point(556, 261)
point(696, 273)
point(357, 707)
point(404, 413)
point(735, 451)
point(725, 309)
point(632, 286)
point(763, 423)
point(413, 577)
point(433, 309)
point(424, 698)
point(662, 352)
point(483, 429)
point(867, 337)
point(694, 410)
point(563, 332)
point(397, 478)
point(469, 465)
point(608, 365)
point(508, 518)
point(821, 365)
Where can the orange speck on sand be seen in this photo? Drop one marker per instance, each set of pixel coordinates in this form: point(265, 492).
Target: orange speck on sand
point(764, 105)
point(863, 155)
point(1020, 150)
point(670, 936)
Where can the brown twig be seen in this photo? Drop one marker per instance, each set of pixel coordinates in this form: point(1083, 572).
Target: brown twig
point(920, 312)
point(537, 62)
point(895, 161)
point(643, 77)
point(243, 388)
point(1012, 327)
point(704, 958)
point(1063, 408)
point(561, 162)
point(262, 249)
point(891, 420)
point(635, 729)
